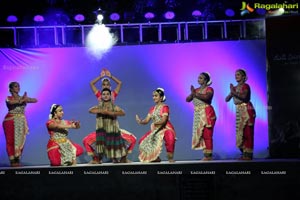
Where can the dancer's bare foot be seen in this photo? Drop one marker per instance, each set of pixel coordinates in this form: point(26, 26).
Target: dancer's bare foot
point(95, 162)
point(157, 160)
point(125, 160)
point(244, 158)
point(15, 165)
point(206, 158)
point(74, 162)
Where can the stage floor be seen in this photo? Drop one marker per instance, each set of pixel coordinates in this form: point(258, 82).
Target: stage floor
point(217, 179)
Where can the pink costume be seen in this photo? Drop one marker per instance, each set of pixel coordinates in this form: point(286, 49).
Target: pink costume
point(15, 129)
point(61, 151)
point(203, 125)
point(150, 145)
point(89, 141)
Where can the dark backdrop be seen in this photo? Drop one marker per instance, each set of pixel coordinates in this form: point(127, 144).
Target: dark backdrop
point(283, 57)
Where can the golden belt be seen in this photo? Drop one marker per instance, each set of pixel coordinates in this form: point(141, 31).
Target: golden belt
point(241, 105)
point(17, 114)
point(60, 140)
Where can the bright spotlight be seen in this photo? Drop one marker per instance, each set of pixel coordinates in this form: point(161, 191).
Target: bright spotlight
point(149, 15)
point(99, 18)
point(100, 40)
point(99, 15)
point(79, 18)
point(38, 18)
point(169, 15)
point(12, 19)
point(114, 17)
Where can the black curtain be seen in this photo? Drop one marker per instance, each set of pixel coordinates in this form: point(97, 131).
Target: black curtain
point(283, 59)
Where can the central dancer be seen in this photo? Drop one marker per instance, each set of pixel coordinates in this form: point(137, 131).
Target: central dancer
point(150, 145)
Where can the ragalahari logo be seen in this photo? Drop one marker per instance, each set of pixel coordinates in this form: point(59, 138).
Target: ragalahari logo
point(246, 8)
point(270, 8)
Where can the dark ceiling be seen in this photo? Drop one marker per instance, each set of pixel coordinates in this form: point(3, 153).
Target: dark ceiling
point(62, 12)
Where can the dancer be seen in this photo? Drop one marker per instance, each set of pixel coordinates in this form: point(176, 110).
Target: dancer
point(245, 114)
point(15, 123)
point(204, 116)
point(90, 140)
point(150, 145)
point(61, 151)
point(109, 142)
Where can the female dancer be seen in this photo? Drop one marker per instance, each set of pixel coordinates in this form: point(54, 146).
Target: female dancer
point(61, 151)
point(204, 115)
point(245, 114)
point(15, 123)
point(109, 142)
point(161, 130)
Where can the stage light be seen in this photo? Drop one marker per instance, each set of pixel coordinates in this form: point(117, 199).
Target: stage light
point(114, 17)
point(100, 18)
point(196, 14)
point(99, 15)
point(169, 15)
point(149, 15)
point(229, 12)
point(79, 18)
point(38, 18)
point(12, 19)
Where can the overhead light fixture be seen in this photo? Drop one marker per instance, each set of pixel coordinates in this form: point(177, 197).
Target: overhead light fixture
point(149, 15)
point(99, 15)
point(114, 17)
point(100, 18)
point(169, 15)
point(12, 19)
point(196, 14)
point(79, 18)
point(38, 18)
point(229, 12)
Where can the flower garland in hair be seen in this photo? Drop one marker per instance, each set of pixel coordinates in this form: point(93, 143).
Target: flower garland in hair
point(161, 91)
point(52, 109)
point(210, 81)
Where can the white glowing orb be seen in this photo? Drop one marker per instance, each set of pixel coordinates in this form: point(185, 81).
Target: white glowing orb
point(100, 40)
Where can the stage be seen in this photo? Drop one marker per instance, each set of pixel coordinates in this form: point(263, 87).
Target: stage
point(218, 179)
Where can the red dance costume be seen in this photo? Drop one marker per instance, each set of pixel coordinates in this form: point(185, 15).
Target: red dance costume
point(15, 129)
point(151, 143)
point(89, 141)
point(61, 151)
point(203, 124)
point(245, 119)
